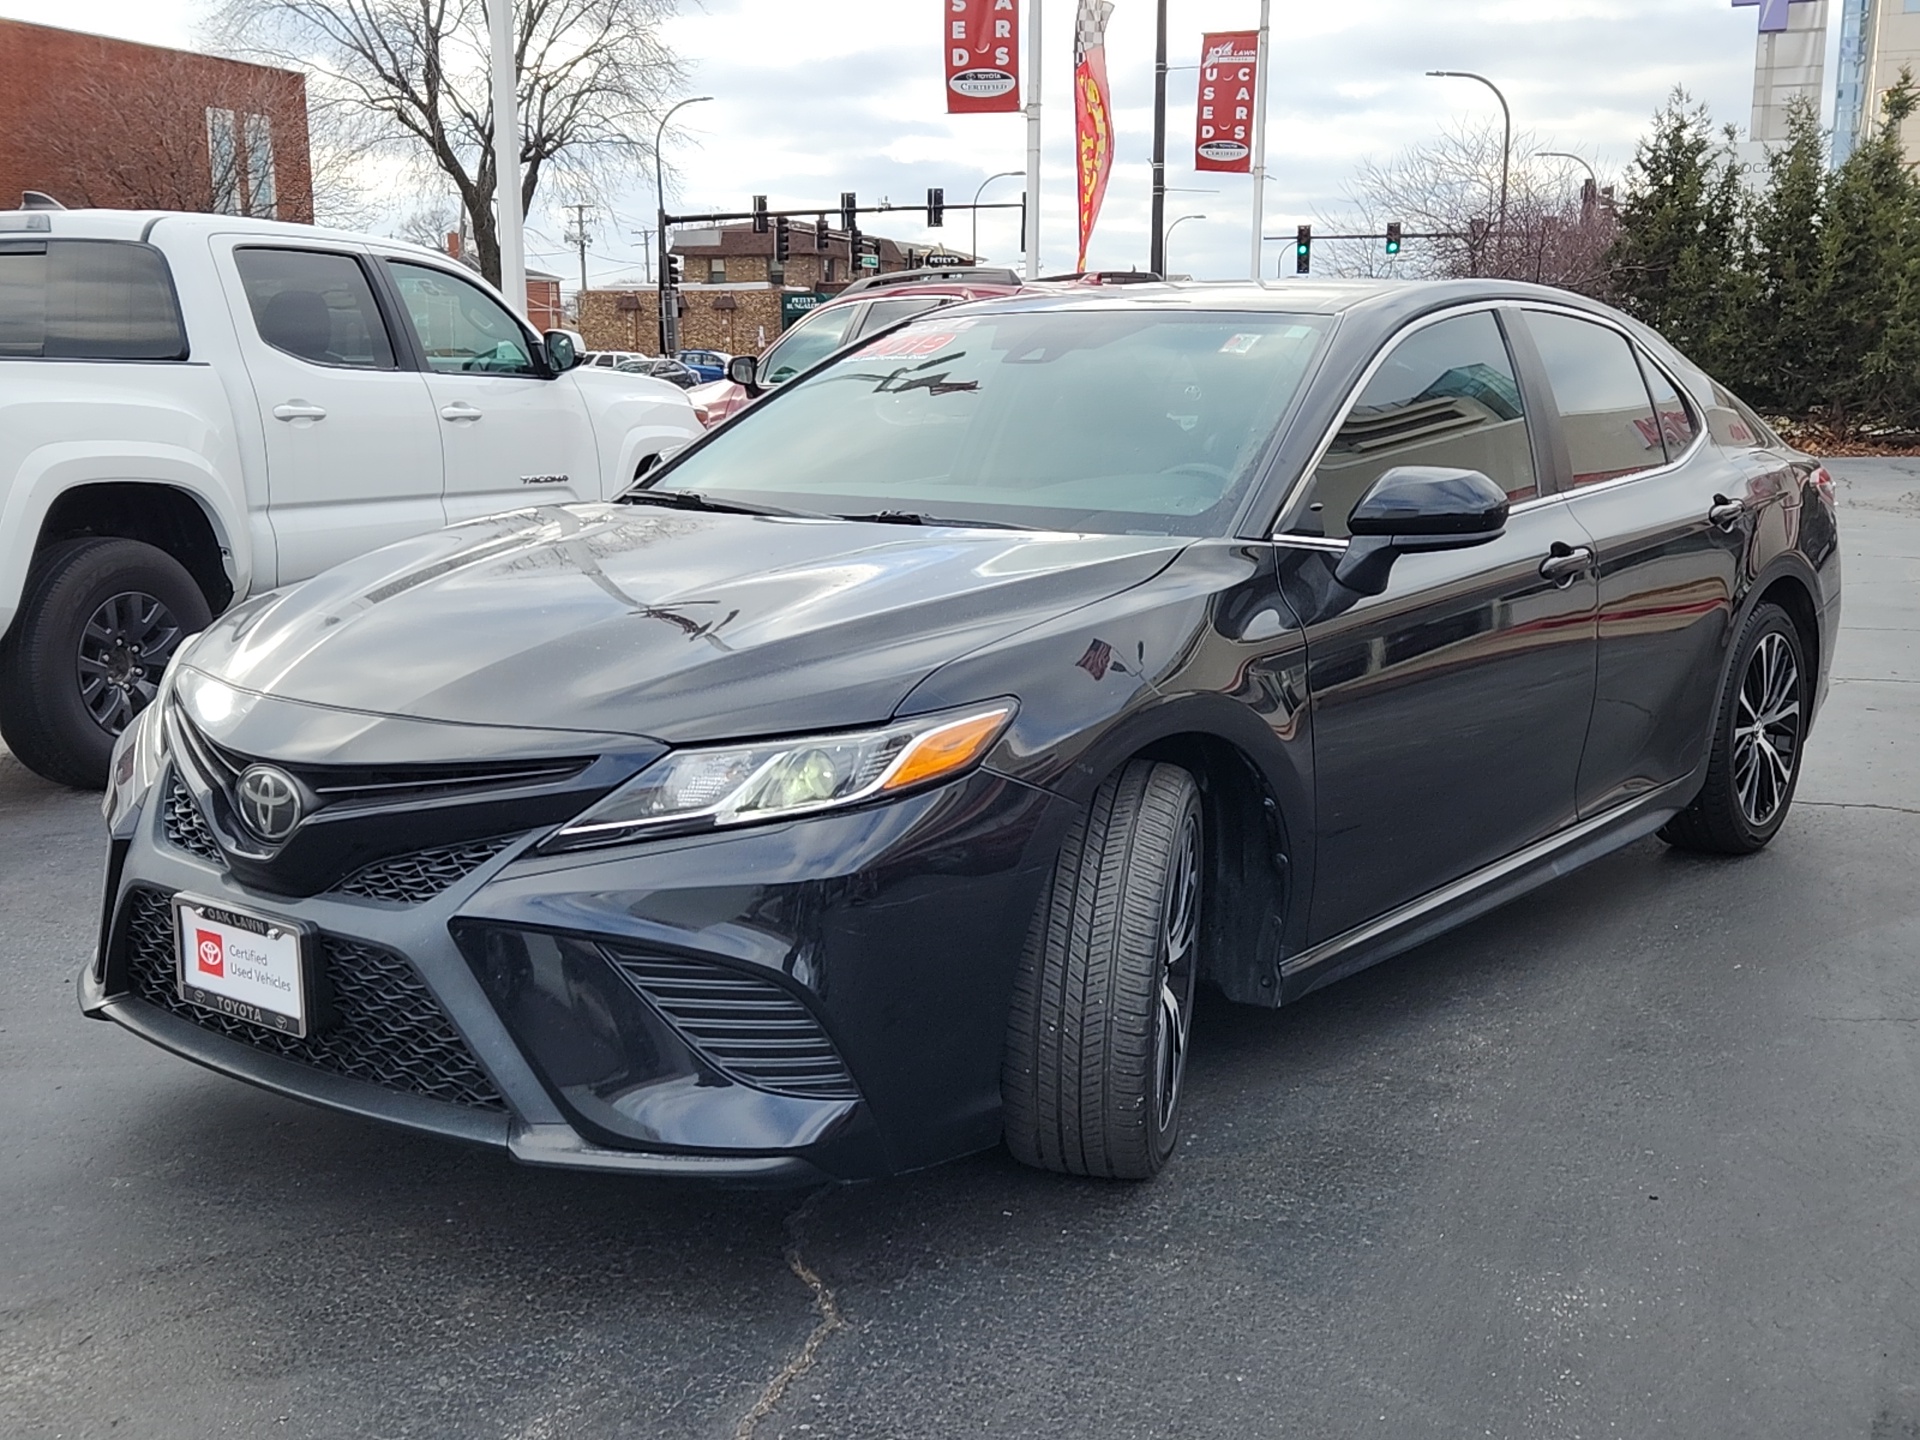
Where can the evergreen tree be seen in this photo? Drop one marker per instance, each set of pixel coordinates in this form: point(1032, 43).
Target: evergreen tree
point(1785, 355)
point(1681, 230)
point(1867, 298)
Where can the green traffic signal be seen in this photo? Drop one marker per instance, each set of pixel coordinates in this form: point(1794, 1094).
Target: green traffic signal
point(1393, 238)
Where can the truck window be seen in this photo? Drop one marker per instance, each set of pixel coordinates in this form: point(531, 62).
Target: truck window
point(315, 305)
point(462, 329)
point(88, 300)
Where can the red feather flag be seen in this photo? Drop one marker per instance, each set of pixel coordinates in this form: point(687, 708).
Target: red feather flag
point(1092, 115)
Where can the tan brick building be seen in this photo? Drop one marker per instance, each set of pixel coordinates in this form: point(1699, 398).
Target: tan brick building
point(93, 121)
point(734, 295)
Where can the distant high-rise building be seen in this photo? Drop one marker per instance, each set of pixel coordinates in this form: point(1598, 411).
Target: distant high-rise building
point(1890, 31)
point(1850, 94)
point(1789, 65)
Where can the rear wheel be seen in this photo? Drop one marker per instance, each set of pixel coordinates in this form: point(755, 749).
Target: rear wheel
point(1103, 1005)
point(98, 623)
point(1757, 735)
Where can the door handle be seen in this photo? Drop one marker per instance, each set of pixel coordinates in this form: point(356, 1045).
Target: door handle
point(1564, 562)
point(1725, 513)
point(459, 410)
point(298, 410)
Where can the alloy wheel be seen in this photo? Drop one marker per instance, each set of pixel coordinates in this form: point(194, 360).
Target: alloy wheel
point(124, 650)
point(1179, 937)
point(1766, 730)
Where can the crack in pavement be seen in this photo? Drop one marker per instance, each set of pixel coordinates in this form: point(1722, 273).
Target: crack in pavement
point(1857, 805)
point(823, 1302)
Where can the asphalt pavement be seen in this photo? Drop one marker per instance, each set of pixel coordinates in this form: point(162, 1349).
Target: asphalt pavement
point(1637, 1156)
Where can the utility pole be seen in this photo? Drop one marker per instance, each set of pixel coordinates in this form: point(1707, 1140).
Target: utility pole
point(1157, 260)
point(646, 253)
point(578, 236)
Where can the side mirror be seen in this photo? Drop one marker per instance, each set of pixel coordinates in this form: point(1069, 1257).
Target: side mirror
point(565, 350)
point(1418, 507)
point(744, 371)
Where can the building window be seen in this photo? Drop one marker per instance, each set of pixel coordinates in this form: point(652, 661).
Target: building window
point(829, 279)
point(716, 272)
point(260, 200)
point(223, 159)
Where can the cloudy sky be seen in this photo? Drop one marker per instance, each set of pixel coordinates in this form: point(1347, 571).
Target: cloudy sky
point(813, 97)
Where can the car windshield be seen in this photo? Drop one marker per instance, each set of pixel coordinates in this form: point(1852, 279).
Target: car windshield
point(1122, 421)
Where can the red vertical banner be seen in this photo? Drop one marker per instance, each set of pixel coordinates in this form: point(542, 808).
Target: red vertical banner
point(983, 56)
point(1092, 115)
point(1223, 120)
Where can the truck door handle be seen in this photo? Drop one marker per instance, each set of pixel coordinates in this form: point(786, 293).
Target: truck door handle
point(1564, 562)
point(298, 410)
point(1725, 513)
point(459, 410)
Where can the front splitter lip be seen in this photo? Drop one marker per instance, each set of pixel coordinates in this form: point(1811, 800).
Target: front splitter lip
point(540, 1145)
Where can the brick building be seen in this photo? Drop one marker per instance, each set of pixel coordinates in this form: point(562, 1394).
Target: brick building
point(93, 121)
point(734, 295)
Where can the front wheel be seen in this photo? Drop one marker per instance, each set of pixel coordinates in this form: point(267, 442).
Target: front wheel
point(1103, 1003)
point(98, 623)
point(1757, 743)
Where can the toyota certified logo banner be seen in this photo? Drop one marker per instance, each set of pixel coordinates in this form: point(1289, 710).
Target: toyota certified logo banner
point(268, 801)
point(1229, 70)
point(983, 56)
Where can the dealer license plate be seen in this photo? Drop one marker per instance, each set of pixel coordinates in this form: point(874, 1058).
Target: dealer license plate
point(247, 966)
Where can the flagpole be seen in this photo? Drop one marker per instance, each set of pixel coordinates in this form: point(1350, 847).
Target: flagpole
point(1035, 70)
point(1260, 135)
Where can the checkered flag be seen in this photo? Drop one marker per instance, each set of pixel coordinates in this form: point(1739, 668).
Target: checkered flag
point(1090, 30)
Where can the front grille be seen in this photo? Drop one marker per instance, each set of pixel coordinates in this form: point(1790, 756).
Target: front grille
point(748, 1028)
point(185, 827)
point(385, 1027)
point(410, 879)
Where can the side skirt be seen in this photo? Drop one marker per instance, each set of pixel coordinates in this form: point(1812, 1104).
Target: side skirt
point(1486, 889)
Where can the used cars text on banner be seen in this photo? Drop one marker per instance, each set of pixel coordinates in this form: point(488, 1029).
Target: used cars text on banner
point(1223, 119)
point(983, 56)
point(1092, 114)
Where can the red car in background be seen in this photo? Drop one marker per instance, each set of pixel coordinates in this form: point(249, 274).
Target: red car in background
point(862, 308)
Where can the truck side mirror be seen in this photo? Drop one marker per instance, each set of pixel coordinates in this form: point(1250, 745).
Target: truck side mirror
point(565, 350)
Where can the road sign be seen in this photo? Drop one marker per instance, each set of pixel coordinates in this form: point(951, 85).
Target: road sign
point(793, 306)
point(937, 261)
point(869, 262)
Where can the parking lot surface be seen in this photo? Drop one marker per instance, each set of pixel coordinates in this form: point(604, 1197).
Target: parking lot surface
point(1638, 1155)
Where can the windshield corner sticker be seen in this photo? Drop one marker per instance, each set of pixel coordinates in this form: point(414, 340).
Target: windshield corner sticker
point(1239, 344)
point(912, 344)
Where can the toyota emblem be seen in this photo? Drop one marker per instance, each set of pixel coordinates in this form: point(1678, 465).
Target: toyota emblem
point(269, 802)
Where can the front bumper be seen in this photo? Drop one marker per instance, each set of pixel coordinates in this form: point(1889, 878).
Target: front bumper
point(825, 997)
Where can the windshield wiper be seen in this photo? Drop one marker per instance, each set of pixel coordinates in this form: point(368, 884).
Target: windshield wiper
point(914, 517)
point(694, 500)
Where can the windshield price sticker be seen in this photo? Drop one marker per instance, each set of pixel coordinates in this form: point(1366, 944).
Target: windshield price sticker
point(241, 965)
point(912, 344)
point(1239, 344)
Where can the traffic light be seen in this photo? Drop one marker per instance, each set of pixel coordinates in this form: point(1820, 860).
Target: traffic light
point(673, 272)
point(759, 214)
point(936, 207)
point(1393, 238)
point(782, 239)
point(849, 210)
point(820, 233)
point(1303, 251)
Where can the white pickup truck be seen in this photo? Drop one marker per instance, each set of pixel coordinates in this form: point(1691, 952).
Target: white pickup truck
point(194, 408)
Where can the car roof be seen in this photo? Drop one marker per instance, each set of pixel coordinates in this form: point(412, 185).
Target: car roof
point(140, 225)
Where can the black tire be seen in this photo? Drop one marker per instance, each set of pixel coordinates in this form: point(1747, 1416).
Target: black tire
point(97, 624)
point(1759, 731)
point(1097, 1038)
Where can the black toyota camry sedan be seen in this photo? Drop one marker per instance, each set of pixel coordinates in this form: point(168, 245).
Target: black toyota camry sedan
point(879, 779)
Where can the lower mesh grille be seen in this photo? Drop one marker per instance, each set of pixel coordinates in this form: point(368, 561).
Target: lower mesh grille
point(387, 1028)
point(410, 879)
point(186, 828)
point(748, 1028)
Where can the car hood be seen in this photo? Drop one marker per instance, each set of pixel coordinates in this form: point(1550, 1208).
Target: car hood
point(642, 621)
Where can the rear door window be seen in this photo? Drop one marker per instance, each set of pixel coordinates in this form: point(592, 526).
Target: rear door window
point(1606, 414)
point(316, 306)
point(1445, 395)
point(88, 300)
point(1677, 425)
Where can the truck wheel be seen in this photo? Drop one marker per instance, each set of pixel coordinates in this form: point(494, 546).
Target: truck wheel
point(1103, 1002)
point(98, 622)
point(1758, 728)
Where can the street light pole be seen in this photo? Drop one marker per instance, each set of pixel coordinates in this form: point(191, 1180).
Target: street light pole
point(1262, 52)
point(1590, 196)
point(1167, 242)
point(669, 321)
point(510, 216)
point(1506, 144)
point(974, 254)
point(1157, 260)
point(1036, 71)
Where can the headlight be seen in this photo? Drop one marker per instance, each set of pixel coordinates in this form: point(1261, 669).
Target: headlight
point(692, 790)
point(139, 753)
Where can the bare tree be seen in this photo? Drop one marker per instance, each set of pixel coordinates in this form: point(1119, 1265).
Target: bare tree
point(592, 75)
point(1558, 225)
